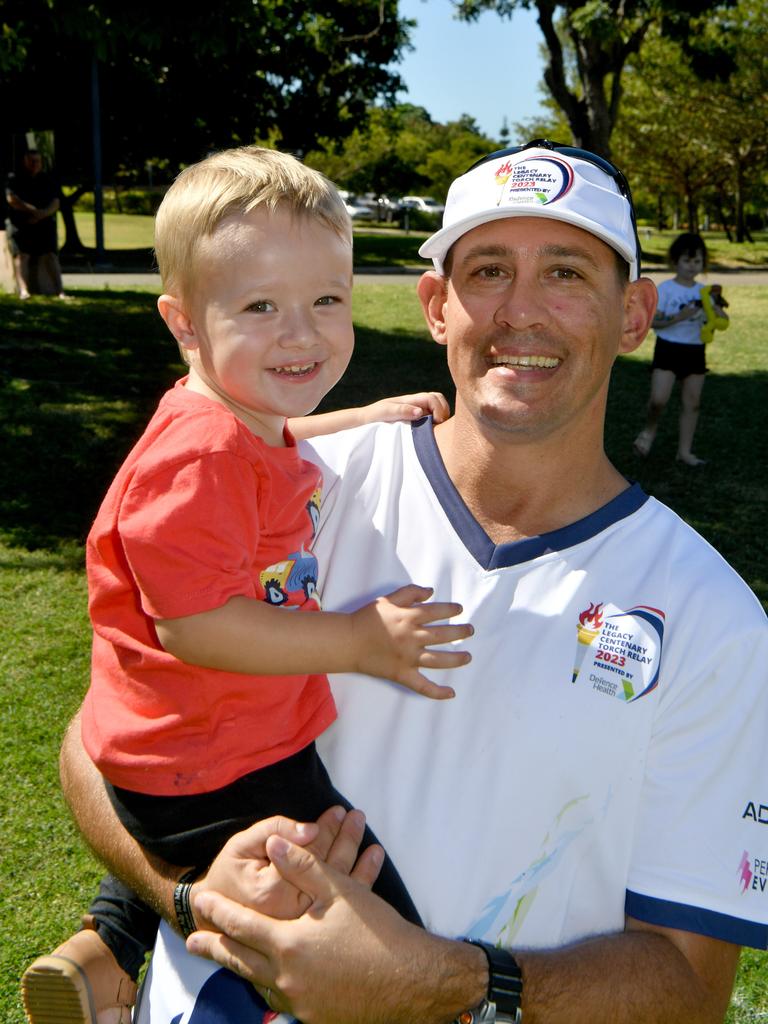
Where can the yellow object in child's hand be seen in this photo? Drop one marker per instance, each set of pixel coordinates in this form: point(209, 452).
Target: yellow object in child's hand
point(710, 296)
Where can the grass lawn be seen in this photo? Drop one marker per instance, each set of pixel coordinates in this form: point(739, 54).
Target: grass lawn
point(77, 384)
point(126, 233)
point(393, 247)
point(744, 255)
point(121, 230)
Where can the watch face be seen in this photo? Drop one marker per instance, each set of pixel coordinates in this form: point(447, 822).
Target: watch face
point(486, 1013)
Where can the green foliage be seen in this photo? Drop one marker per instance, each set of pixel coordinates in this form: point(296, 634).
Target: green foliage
point(143, 201)
point(204, 76)
point(401, 151)
point(13, 47)
point(594, 39)
point(595, 20)
point(702, 141)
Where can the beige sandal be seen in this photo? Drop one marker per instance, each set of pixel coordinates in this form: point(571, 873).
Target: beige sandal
point(79, 983)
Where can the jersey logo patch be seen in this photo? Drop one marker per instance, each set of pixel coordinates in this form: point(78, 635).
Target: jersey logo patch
point(753, 874)
point(618, 652)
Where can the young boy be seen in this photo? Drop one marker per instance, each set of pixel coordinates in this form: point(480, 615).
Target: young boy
point(208, 687)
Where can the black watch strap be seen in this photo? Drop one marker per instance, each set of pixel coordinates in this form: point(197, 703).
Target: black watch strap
point(505, 981)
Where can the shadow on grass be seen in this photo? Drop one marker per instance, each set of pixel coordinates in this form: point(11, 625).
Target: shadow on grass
point(79, 381)
point(726, 500)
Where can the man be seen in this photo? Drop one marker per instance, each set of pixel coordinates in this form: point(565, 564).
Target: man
point(583, 806)
point(33, 198)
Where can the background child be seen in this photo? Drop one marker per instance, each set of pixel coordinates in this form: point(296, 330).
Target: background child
point(680, 351)
point(208, 682)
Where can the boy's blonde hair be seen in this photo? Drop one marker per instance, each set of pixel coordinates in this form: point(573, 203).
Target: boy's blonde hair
point(236, 181)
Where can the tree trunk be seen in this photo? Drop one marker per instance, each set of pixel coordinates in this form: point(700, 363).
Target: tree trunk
point(660, 219)
point(593, 67)
point(592, 115)
point(742, 231)
point(72, 243)
point(693, 211)
point(723, 215)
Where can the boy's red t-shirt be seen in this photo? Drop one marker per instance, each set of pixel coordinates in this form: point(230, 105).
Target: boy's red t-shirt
point(201, 511)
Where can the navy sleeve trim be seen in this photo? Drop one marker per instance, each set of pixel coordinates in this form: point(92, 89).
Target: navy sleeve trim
point(715, 925)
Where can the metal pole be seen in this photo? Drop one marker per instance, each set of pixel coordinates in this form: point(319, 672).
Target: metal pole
point(98, 195)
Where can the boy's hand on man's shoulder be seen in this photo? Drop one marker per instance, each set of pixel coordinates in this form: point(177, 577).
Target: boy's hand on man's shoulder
point(409, 407)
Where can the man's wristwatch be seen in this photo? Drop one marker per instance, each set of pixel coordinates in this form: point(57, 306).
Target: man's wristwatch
point(505, 989)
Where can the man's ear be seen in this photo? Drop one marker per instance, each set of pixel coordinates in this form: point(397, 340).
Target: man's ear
point(432, 291)
point(640, 298)
point(177, 321)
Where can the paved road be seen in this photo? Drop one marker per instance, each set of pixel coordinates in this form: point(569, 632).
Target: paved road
point(117, 279)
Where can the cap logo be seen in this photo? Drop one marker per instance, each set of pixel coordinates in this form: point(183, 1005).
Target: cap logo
point(534, 180)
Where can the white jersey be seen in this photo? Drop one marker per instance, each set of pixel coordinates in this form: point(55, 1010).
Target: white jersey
point(605, 752)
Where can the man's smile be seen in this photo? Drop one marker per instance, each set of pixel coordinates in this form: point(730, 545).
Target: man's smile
point(525, 362)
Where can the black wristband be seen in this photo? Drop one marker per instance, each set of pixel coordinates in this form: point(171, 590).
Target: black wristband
point(505, 981)
point(184, 916)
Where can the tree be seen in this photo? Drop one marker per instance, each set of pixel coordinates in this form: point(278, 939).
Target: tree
point(179, 79)
point(704, 141)
point(381, 155)
point(592, 42)
point(401, 150)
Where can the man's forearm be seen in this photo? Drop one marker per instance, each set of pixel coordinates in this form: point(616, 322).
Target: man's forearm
point(153, 879)
point(351, 959)
point(636, 977)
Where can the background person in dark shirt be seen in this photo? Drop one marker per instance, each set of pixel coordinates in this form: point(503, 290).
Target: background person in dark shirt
point(33, 198)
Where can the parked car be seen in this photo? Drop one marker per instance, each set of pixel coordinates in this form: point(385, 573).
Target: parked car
point(424, 203)
point(389, 208)
point(357, 207)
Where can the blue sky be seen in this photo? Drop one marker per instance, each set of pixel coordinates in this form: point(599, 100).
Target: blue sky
point(488, 69)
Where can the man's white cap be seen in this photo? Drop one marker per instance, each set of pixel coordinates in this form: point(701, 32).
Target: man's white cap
point(539, 182)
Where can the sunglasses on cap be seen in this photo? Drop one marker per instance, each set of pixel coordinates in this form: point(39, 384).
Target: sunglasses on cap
point(604, 165)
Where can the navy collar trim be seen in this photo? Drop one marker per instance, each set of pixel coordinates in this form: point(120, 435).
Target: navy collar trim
point(477, 541)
